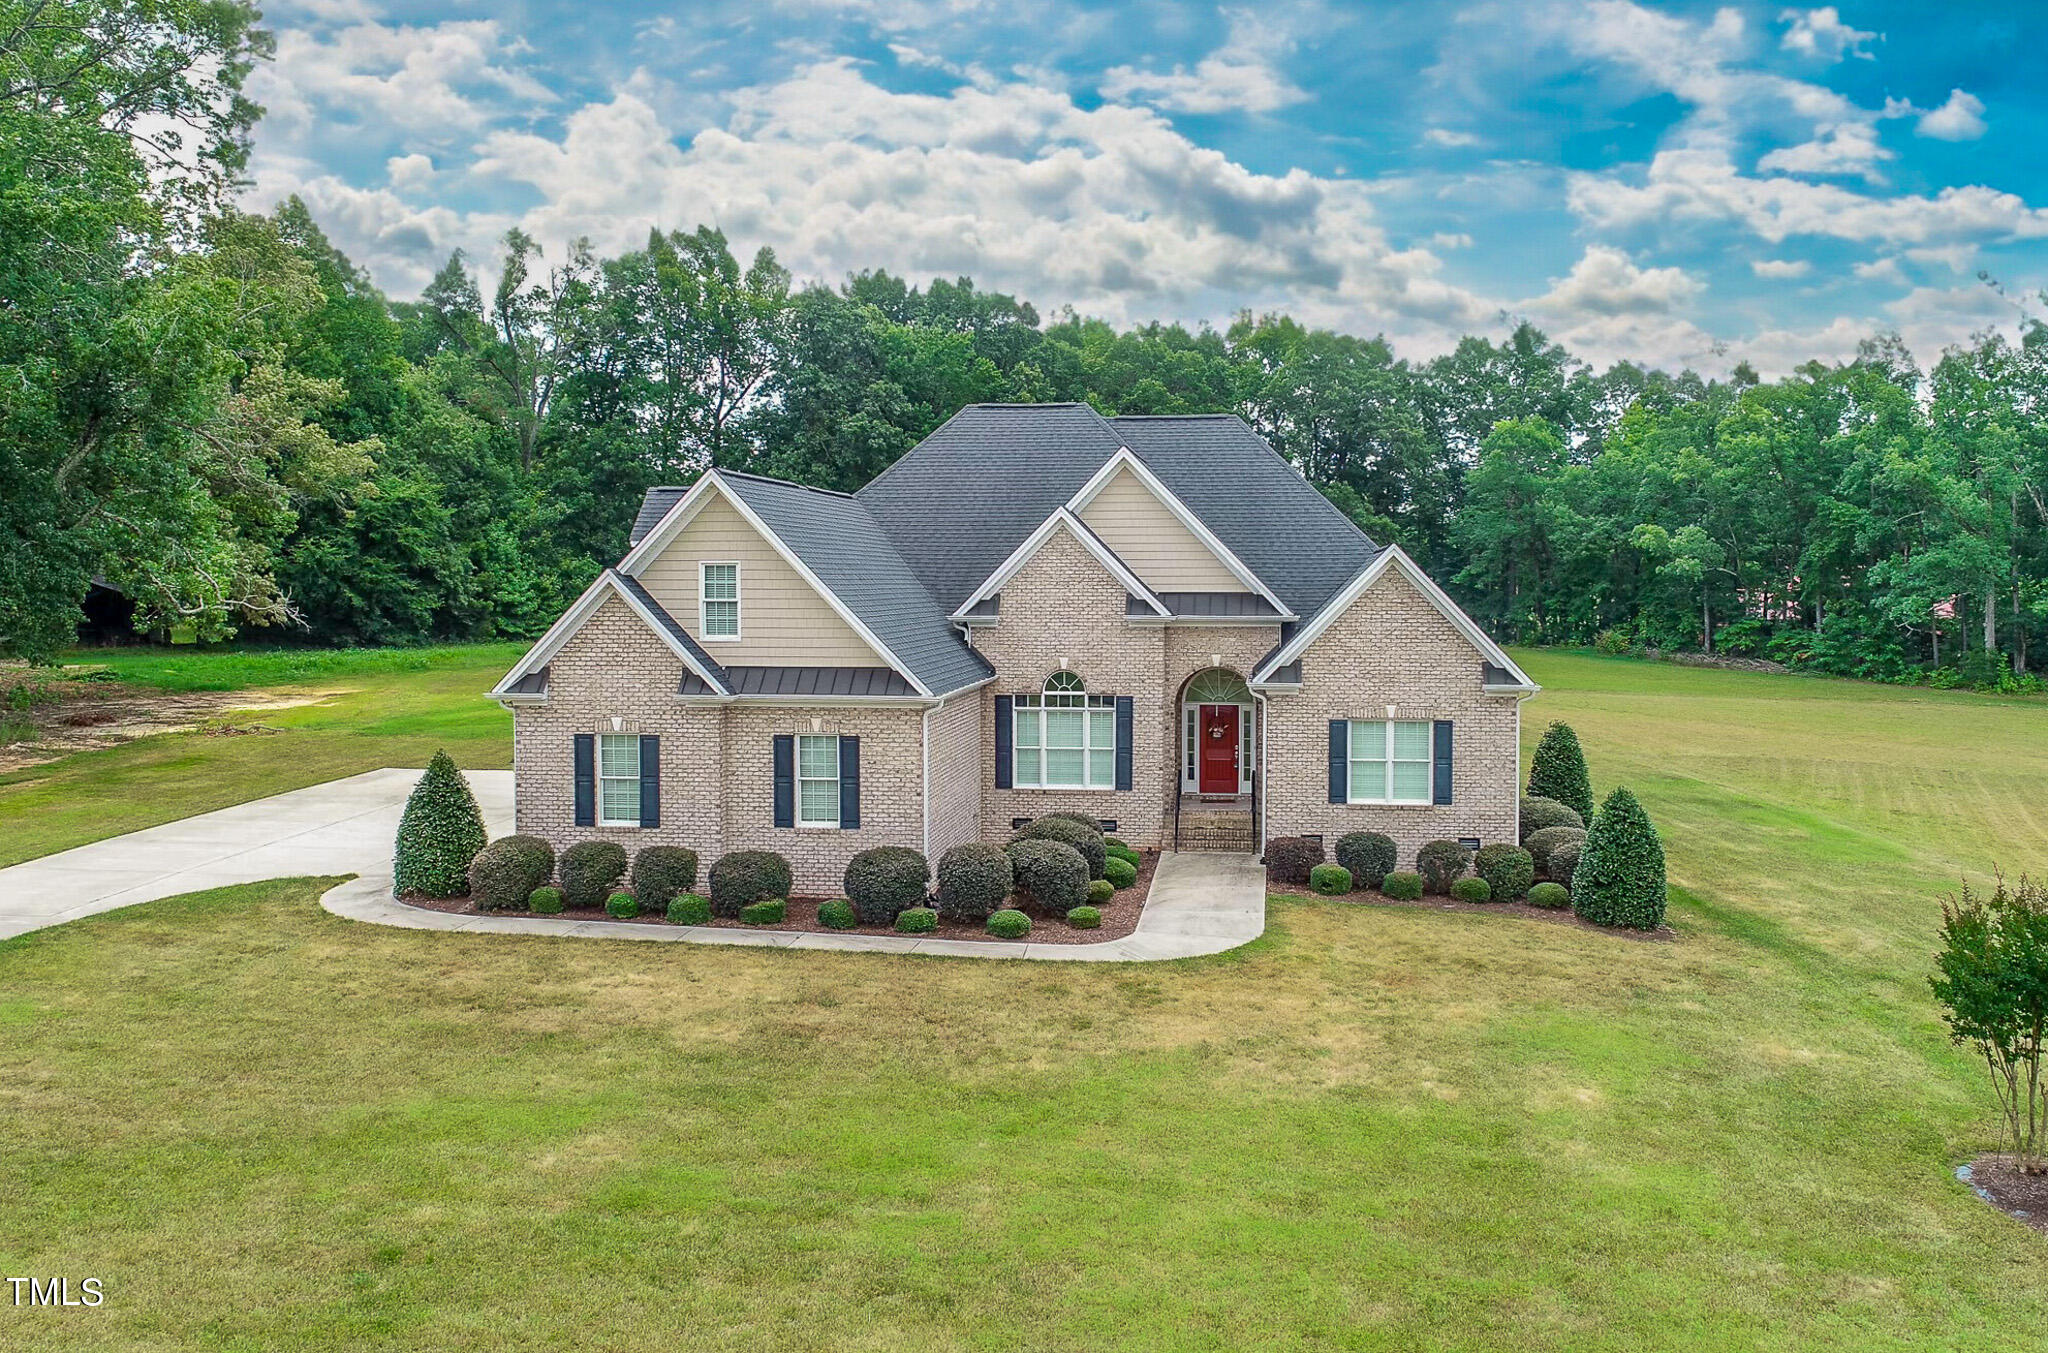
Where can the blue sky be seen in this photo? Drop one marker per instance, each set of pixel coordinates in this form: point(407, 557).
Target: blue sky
point(1679, 184)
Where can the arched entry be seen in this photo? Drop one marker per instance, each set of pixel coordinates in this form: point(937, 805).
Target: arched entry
point(1218, 736)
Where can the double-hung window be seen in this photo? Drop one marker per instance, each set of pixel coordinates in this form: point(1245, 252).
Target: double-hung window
point(817, 780)
point(718, 600)
point(618, 780)
point(1390, 761)
point(1065, 737)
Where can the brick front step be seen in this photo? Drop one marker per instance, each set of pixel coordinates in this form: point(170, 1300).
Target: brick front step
point(1217, 831)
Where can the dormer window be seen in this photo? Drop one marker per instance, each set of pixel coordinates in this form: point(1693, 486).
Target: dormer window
point(718, 601)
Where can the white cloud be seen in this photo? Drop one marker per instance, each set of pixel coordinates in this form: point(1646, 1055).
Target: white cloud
point(1821, 33)
point(409, 173)
point(1960, 119)
point(443, 79)
point(1606, 282)
point(1444, 136)
point(1445, 239)
point(1879, 270)
point(1844, 148)
point(1241, 76)
point(1780, 267)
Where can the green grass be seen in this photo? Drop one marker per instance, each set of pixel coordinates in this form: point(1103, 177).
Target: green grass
point(239, 669)
point(268, 1128)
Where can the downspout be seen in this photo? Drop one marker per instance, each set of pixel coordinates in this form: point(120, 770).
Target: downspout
point(925, 788)
point(1258, 771)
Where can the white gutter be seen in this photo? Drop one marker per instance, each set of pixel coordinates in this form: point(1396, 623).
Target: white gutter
point(1260, 770)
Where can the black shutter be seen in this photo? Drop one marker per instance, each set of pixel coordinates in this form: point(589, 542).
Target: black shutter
point(650, 780)
point(785, 780)
point(1443, 761)
point(586, 779)
point(849, 782)
point(1123, 742)
point(1340, 760)
point(1005, 758)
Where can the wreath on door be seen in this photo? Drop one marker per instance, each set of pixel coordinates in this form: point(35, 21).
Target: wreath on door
point(1216, 732)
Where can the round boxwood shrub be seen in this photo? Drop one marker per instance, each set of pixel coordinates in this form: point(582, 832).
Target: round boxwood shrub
point(1564, 861)
point(1550, 895)
point(1540, 844)
point(439, 835)
point(768, 911)
point(1120, 874)
point(1558, 771)
point(1331, 880)
point(837, 914)
point(1100, 891)
point(746, 876)
point(589, 871)
point(662, 874)
point(1051, 873)
point(1441, 861)
point(1009, 924)
point(1370, 856)
point(1124, 853)
point(1289, 858)
point(1093, 824)
point(974, 879)
point(545, 902)
point(1402, 886)
point(1085, 918)
point(1537, 814)
point(1066, 828)
point(1473, 889)
point(1508, 870)
point(689, 909)
point(1116, 842)
point(1620, 878)
point(623, 906)
point(917, 921)
point(504, 873)
point(886, 880)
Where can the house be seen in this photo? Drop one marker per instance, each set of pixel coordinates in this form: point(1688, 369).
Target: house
point(1154, 621)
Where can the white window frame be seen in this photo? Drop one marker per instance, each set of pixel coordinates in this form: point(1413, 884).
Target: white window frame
point(1070, 692)
point(603, 817)
point(835, 780)
point(704, 599)
point(1385, 795)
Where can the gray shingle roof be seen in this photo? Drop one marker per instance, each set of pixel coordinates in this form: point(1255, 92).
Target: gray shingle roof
point(653, 507)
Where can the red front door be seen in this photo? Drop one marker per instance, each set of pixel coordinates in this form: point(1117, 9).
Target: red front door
point(1218, 761)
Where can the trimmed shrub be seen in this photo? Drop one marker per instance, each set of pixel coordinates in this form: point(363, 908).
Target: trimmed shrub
point(1289, 858)
point(1093, 824)
point(746, 876)
point(623, 906)
point(1126, 854)
point(1120, 874)
point(1331, 880)
point(886, 880)
point(1508, 870)
point(1539, 814)
point(1441, 861)
point(1402, 886)
point(689, 909)
point(1564, 861)
point(1051, 873)
point(1116, 843)
point(663, 873)
point(1620, 878)
point(1540, 844)
point(1100, 891)
point(1558, 771)
point(439, 835)
point(768, 911)
point(504, 873)
point(917, 921)
point(590, 869)
point(545, 902)
point(1009, 924)
point(974, 879)
point(1370, 856)
point(838, 914)
point(1550, 895)
point(1473, 889)
point(1065, 828)
point(1085, 918)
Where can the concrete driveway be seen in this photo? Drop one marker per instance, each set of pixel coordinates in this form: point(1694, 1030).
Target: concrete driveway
point(341, 827)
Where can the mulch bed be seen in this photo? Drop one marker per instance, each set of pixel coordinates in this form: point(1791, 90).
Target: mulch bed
point(2023, 1197)
point(1366, 897)
point(1119, 917)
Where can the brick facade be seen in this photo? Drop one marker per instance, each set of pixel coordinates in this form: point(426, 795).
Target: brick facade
point(959, 764)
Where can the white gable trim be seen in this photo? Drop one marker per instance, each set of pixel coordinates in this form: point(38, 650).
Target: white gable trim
point(1126, 459)
point(608, 585)
point(1033, 543)
point(687, 507)
point(1394, 557)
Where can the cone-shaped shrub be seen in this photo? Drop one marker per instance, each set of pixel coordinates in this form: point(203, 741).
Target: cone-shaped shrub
point(440, 834)
point(1558, 770)
point(1620, 877)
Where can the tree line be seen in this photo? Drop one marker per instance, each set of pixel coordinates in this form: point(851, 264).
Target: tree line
point(217, 416)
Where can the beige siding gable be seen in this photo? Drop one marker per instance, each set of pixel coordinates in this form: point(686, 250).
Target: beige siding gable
point(784, 621)
point(1158, 547)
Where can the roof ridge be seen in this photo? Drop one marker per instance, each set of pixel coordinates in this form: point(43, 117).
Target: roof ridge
point(786, 483)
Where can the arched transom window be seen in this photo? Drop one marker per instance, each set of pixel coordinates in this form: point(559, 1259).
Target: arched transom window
point(1065, 737)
